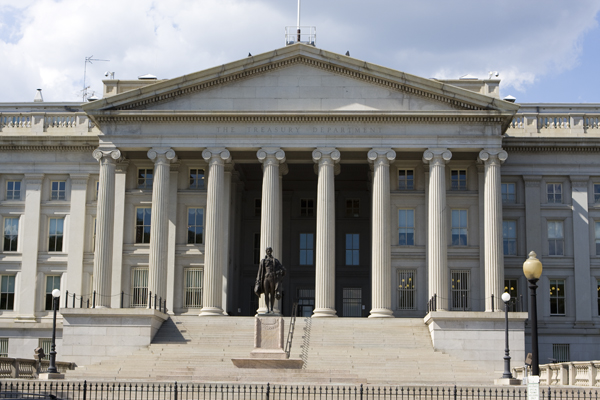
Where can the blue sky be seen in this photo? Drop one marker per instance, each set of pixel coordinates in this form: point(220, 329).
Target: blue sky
point(545, 51)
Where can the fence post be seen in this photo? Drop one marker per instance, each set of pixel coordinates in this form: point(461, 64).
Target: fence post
point(549, 388)
point(454, 392)
point(268, 391)
point(123, 294)
point(66, 299)
point(175, 394)
point(160, 303)
point(155, 301)
point(361, 391)
point(493, 308)
point(94, 300)
point(84, 390)
point(435, 302)
point(74, 296)
point(88, 303)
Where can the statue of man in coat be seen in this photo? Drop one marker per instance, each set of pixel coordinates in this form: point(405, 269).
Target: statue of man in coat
point(269, 278)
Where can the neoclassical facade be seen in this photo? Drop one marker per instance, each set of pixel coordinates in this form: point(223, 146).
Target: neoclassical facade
point(378, 190)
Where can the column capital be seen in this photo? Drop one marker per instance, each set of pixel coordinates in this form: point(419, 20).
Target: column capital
point(218, 155)
point(162, 155)
point(493, 156)
point(326, 155)
point(108, 155)
point(381, 155)
point(271, 155)
point(437, 156)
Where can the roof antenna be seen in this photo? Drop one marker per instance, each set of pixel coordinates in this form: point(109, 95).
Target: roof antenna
point(89, 59)
point(298, 23)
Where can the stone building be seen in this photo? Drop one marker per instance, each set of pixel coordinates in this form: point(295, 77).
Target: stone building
point(377, 189)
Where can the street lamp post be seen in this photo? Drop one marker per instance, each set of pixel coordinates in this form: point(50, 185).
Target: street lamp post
point(507, 373)
point(52, 368)
point(532, 268)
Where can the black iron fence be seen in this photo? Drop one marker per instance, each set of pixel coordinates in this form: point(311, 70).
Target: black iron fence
point(178, 391)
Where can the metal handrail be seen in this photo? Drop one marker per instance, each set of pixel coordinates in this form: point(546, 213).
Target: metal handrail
point(290, 337)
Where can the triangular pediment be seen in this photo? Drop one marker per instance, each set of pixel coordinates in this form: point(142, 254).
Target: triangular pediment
point(299, 78)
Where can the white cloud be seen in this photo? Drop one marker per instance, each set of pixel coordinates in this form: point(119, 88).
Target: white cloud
point(43, 43)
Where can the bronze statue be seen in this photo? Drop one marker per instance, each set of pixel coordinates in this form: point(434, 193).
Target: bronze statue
point(268, 280)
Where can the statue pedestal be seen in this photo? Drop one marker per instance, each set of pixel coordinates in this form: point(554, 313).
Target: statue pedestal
point(268, 347)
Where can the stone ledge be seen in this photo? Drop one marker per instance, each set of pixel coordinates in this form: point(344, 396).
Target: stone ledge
point(290, 363)
point(474, 316)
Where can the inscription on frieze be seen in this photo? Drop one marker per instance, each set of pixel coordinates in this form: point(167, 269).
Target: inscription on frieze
point(297, 129)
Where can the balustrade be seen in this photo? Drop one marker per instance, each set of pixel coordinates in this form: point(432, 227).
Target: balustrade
point(579, 373)
point(36, 123)
point(558, 121)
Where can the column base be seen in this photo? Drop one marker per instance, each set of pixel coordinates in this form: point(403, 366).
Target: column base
point(211, 312)
point(381, 313)
point(324, 313)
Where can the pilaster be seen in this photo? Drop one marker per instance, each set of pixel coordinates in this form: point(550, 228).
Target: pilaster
point(581, 249)
point(437, 242)
point(494, 253)
point(159, 228)
point(533, 218)
point(172, 242)
point(381, 262)
point(105, 216)
point(214, 251)
point(79, 183)
point(26, 291)
point(326, 159)
point(117, 261)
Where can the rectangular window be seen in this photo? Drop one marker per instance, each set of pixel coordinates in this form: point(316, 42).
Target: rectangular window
point(557, 297)
point(306, 302)
point(307, 207)
point(406, 227)
point(11, 233)
point(352, 302)
point(58, 189)
point(196, 178)
point(598, 290)
point(145, 178)
point(56, 233)
point(195, 225)
point(142, 225)
point(46, 345)
point(257, 207)
point(554, 192)
point(52, 282)
point(352, 207)
point(352, 248)
point(139, 286)
point(508, 193)
point(556, 243)
point(510, 287)
point(596, 193)
point(560, 353)
point(3, 347)
point(460, 289)
point(459, 227)
point(306, 248)
point(256, 248)
point(406, 290)
point(406, 179)
point(7, 292)
point(13, 190)
point(193, 288)
point(458, 179)
point(597, 238)
point(509, 237)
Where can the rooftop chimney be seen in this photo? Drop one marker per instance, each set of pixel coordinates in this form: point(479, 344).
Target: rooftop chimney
point(38, 96)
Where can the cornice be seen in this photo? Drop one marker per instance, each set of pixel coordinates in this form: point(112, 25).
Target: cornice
point(299, 59)
point(551, 145)
point(244, 117)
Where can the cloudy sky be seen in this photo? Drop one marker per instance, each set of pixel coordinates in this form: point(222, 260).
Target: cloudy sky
point(544, 50)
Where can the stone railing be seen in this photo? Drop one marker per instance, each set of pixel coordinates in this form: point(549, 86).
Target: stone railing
point(556, 120)
point(580, 373)
point(28, 368)
point(45, 123)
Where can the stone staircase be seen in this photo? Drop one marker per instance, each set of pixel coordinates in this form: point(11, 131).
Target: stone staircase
point(335, 350)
